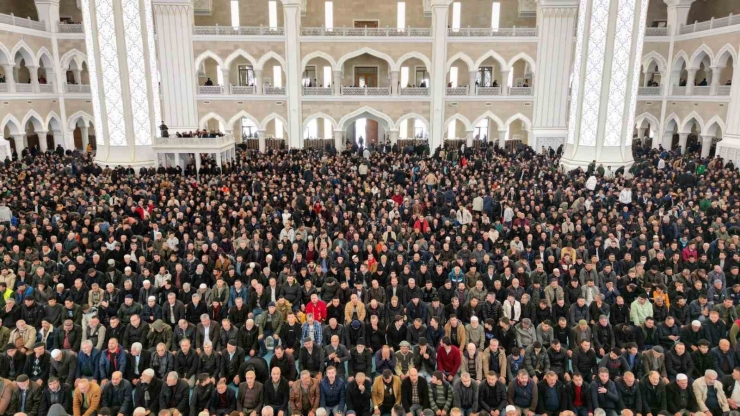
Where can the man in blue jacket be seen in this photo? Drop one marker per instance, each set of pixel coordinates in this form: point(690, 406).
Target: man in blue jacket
point(111, 360)
point(332, 392)
point(604, 394)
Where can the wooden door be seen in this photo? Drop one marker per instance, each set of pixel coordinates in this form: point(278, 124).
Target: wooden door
point(371, 132)
point(78, 138)
point(32, 140)
point(366, 76)
point(50, 142)
point(366, 23)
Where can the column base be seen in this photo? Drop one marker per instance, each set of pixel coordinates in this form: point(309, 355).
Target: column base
point(134, 156)
point(551, 137)
point(729, 149)
point(609, 157)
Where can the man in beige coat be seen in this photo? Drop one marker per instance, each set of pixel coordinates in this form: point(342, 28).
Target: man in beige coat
point(702, 386)
point(25, 333)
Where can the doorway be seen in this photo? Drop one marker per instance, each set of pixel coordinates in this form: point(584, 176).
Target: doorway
point(366, 76)
point(371, 132)
point(361, 24)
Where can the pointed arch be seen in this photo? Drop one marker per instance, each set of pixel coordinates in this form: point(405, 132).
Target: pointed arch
point(44, 56)
point(418, 55)
point(411, 116)
point(491, 54)
point(266, 57)
point(73, 55)
point(205, 55)
point(697, 119)
point(319, 54)
point(680, 56)
point(369, 110)
point(5, 56)
point(654, 123)
point(461, 118)
point(521, 117)
point(238, 116)
point(727, 52)
point(74, 118)
point(672, 118)
point(699, 55)
point(13, 125)
point(239, 53)
point(365, 50)
point(325, 116)
point(528, 59)
point(463, 57)
point(269, 118)
point(494, 117)
point(53, 117)
point(35, 119)
point(25, 51)
point(711, 126)
point(203, 123)
point(657, 58)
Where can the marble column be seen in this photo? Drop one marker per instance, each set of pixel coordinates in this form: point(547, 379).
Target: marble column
point(729, 147)
point(440, 12)
point(556, 20)
point(48, 12)
point(641, 132)
point(225, 72)
point(716, 76)
point(174, 23)
point(678, 13)
point(690, 81)
point(395, 90)
point(258, 81)
point(682, 138)
point(336, 82)
point(123, 79)
point(339, 140)
point(505, 82)
point(20, 143)
point(502, 138)
point(293, 70)
point(9, 71)
point(85, 133)
point(42, 140)
point(394, 136)
point(469, 138)
point(261, 137)
point(706, 145)
point(471, 82)
point(606, 74)
point(33, 72)
point(667, 141)
point(77, 76)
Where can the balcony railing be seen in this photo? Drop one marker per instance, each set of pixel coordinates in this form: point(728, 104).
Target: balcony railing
point(3, 87)
point(274, 90)
point(730, 20)
point(238, 31)
point(650, 91)
point(508, 32)
point(76, 89)
point(656, 31)
point(23, 88)
point(415, 91)
point(317, 91)
point(210, 89)
point(457, 91)
point(520, 91)
point(721, 90)
point(243, 90)
point(701, 91)
point(46, 88)
point(10, 19)
point(71, 28)
point(194, 141)
point(370, 91)
point(366, 31)
point(678, 90)
point(488, 91)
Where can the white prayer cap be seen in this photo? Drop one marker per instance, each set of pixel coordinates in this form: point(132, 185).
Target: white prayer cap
point(55, 353)
point(695, 323)
point(681, 377)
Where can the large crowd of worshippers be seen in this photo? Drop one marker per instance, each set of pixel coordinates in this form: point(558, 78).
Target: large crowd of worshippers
point(472, 281)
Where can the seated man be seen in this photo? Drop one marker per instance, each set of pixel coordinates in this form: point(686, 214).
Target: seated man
point(223, 401)
point(86, 398)
point(522, 393)
point(117, 395)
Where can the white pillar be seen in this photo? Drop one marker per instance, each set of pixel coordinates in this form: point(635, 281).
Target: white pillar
point(9, 71)
point(646, 78)
point(394, 136)
point(258, 81)
point(50, 80)
point(48, 11)
point(33, 72)
point(58, 138)
point(336, 82)
point(218, 159)
point(706, 145)
point(339, 140)
point(690, 81)
point(678, 12)
point(471, 82)
point(606, 74)
point(502, 138)
point(197, 163)
point(261, 137)
point(556, 20)
point(469, 138)
point(42, 140)
point(505, 82)
point(129, 83)
point(77, 76)
point(716, 76)
point(227, 83)
point(174, 23)
point(20, 144)
point(69, 139)
point(292, 15)
point(682, 138)
point(395, 90)
point(667, 141)
point(84, 131)
point(729, 147)
point(440, 10)
point(641, 132)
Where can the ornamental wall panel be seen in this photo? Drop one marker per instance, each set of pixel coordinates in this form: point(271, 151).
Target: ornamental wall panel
point(66, 45)
point(507, 50)
point(20, 108)
point(259, 109)
point(393, 49)
point(224, 48)
point(73, 106)
point(35, 43)
point(474, 109)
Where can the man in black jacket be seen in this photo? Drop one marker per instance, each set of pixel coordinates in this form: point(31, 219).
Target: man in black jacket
point(492, 394)
point(678, 361)
point(551, 398)
point(117, 395)
point(63, 367)
point(413, 381)
point(175, 394)
point(578, 395)
point(186, 363)
point(584, 361)
point(653, 394)
point(277, 399)
point(55, 393)
point(148, 390)
point(680, 398)
point(360, 360)
point(358, 395)
point(231, 359)
point(629, 390)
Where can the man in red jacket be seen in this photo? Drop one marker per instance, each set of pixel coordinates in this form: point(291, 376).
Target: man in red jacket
point(448, 359)
point(317, 308)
